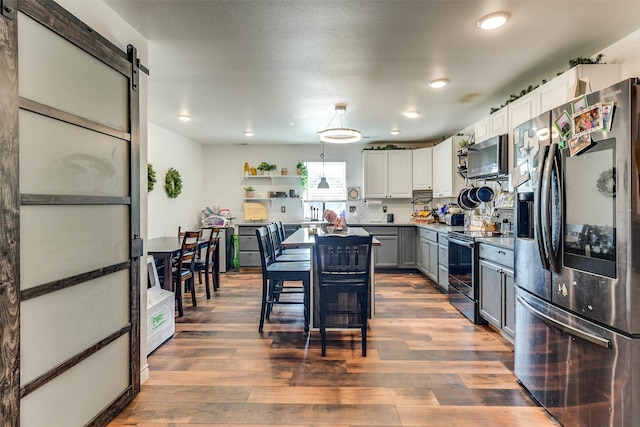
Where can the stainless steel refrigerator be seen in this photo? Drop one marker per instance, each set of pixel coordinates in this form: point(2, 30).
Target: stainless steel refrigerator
point(577, 258)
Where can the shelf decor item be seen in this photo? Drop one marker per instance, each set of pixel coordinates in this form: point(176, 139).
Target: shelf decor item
point(151, 177)
point(301, 169)
point(263, 167)
point(173, 183)
point(249, 192)
point(266, 168)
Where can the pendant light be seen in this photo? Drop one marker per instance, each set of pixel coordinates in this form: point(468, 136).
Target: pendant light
point(323, 184)
point(341, 134)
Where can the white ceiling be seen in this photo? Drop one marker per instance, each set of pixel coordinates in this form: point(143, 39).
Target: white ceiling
point(277, 68)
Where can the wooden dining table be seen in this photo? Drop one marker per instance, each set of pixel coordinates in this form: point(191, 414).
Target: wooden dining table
point(302, 238)
point(166, 248)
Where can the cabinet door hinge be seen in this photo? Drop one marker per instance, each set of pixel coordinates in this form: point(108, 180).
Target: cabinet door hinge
point(8, 8)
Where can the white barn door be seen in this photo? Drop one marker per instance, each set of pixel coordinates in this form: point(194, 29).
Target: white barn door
point(69, 306)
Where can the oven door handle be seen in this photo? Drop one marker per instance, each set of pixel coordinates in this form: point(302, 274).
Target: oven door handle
point(602, 342)
point(464, 243)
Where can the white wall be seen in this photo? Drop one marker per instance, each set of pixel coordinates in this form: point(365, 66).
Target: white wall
point(224, 177)
point(170, 150)
point(625, 52)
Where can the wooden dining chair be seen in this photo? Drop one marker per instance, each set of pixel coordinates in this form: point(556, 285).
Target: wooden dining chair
point(183, 272)
point(282, 237)
point(344, 273)
point(278, 253)
point(275, 278)
point(207, 264)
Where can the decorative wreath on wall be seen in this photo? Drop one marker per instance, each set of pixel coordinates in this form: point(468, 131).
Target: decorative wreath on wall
point(607, 183)
point(173, 183)
point(151, 177)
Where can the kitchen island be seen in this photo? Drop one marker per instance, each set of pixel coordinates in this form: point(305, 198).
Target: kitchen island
point(303, 239)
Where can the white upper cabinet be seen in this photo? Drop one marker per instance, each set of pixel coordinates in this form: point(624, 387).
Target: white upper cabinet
point(446, 180)
point(498, 123)
point(495, 124)
point(481, 130)
point(553, 93)
point(423, 168)
point(524, 108)
point(560, 90)
point(388, 174)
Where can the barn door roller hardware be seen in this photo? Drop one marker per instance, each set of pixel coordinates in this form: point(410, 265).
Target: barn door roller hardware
point(8, 8)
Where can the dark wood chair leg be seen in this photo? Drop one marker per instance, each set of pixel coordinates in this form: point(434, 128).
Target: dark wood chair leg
point(263, 307)
point(323, 330)
point(177, 287)
point(306, 302)
point(207, 288)
point(192, 285)
point(364, 314)
point(216, 269)
point(271, 296)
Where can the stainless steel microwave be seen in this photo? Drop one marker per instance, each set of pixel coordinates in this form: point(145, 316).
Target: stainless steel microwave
point(489, 158)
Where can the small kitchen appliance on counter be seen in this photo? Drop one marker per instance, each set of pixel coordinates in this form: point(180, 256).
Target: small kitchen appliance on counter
point(454, 219)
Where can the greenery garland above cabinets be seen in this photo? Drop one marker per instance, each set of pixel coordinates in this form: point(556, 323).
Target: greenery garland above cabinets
point(574, 62)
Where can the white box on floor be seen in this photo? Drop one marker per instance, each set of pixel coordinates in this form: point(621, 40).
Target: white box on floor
point(160, 310)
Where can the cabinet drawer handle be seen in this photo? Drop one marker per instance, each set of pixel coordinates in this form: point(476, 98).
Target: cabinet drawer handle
point(502, 252)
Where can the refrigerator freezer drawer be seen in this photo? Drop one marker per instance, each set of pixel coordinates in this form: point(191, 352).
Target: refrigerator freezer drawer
point(580, 372)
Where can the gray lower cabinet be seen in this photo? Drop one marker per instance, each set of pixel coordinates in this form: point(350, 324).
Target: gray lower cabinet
point(248, 251)
point(433, 261)
point(397, 246)
point(407, 246)
point(497, 298)
point(387, 252)
point(509, 325)
point(427, 253)
point(443, 262)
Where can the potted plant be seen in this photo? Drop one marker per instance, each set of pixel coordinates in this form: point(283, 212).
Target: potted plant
point(272, 169)
point(301, 169)
point(248, 191)
point(263, 167)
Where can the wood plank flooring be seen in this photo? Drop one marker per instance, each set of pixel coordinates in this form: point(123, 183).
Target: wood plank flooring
point(426, 365)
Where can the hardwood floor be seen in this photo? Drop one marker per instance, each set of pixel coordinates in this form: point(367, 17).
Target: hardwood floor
point(426, 365)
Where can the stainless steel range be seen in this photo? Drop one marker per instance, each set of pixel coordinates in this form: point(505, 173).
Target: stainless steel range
point(463, 272)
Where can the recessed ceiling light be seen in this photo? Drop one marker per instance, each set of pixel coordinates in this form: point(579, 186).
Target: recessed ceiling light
point(411, 114)
point(438, 83)
point(493, 21)
point(395, 132)
point(184, 118)
point(248, 133)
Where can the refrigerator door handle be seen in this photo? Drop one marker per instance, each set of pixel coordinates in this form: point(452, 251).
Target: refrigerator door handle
point(540, 205)
point(545, 205)
point(555, 244)
point(602, 342)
